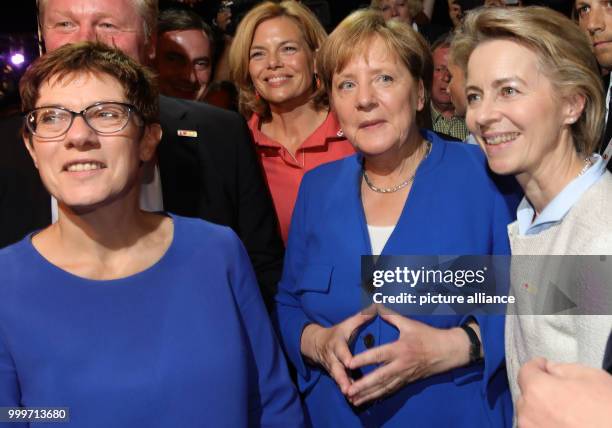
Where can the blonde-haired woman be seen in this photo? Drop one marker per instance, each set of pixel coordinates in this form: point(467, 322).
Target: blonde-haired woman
point(272, 63)
point(535, 105)
point(393, 197)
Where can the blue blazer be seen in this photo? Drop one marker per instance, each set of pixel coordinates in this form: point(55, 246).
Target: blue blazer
point(454, 207)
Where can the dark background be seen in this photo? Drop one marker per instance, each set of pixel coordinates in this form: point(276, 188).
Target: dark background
point(17, 35)
point(18, 31)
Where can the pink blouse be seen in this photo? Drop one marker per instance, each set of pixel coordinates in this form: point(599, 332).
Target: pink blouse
point(284, 172)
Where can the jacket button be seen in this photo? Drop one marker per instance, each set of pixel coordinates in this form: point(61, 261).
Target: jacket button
point(368, 340)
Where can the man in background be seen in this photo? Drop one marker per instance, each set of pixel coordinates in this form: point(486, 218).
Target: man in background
point(443, 116)
point(456, 91)
point(184, 54)
point(595, 18)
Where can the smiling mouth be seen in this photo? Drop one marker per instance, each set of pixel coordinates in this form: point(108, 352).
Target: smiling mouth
point(84, 166)
point(501, 138)
point(277, 79)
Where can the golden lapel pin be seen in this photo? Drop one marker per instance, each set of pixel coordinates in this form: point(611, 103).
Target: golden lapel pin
point(187, 133)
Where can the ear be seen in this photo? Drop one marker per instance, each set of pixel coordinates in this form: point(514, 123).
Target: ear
point(573, 109)
point(27, 141)
point(421, 96)
point(151, 48)
point(149, 141)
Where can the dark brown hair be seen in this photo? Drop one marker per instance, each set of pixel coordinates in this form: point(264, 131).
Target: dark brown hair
point(93, 58)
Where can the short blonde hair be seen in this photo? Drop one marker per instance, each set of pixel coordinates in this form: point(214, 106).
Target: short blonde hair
point(147, 9)
point(563, 50)
point(353, 36)
point(239, 54)
point(414, 6)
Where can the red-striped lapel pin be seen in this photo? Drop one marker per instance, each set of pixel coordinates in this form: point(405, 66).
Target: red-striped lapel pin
point(187, 133)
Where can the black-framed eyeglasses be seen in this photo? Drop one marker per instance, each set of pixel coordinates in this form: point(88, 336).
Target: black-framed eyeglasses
point(103, 117)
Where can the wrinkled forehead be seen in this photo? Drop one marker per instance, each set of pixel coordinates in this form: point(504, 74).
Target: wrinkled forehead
point(68, 77)
point(506, 48)
point(499, 60)
point(372, 50)
point(128, 10)
point(283, 26)
point(187, 41)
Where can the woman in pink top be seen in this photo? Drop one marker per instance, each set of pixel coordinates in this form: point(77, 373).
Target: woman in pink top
point(272, 62)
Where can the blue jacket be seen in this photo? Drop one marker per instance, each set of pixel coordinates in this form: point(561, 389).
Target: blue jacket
point(454, 207)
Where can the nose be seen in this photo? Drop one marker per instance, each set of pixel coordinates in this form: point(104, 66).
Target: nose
point(394, 11)
point(446, 76)
point(189, 74)
point(274, 60)
point(484, 114)
point(80, 135)
point(366, 98)
point(88, 34)
point(594, 22)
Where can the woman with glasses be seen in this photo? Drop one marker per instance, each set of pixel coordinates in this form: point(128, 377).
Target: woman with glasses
point(406, 191)
point(126, 318)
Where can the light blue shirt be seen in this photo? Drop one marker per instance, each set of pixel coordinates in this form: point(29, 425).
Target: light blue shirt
point(554, 212)
point(471, 139)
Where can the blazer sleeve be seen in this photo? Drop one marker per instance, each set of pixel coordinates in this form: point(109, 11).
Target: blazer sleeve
point(289, 316)
point(9, 384)
point(494, 385)
point(257, 223)
point(273, 399)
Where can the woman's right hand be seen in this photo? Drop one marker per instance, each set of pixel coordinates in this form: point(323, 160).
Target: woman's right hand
point(329, 347)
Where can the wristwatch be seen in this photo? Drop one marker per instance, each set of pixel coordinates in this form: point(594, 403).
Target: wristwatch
point(475, 344)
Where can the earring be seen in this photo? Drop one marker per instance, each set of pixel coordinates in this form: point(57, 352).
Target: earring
point(316, 81)
point(257, 97)
point(340, 133)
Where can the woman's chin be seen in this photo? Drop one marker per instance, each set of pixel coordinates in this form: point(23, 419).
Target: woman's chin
point(83, 203)
point(80, 207)
point(501, 167)
point(375, 147)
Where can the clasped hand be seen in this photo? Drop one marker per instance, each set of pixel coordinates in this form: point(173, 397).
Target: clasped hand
point(420, 351)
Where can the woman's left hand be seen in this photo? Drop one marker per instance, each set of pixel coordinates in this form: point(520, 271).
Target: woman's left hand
point(419, 352)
